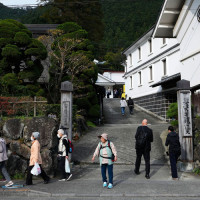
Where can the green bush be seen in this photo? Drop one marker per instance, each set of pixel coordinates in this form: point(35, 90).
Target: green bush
point(94, 111)
point(91, 124)
point(54, 109)
point(172, 113)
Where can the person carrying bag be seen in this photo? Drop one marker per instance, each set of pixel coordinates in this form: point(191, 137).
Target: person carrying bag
point(63, 158)
point(35, 160)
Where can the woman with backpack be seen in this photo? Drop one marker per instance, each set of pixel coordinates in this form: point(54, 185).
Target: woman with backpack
point(174, 150)
point(123, 105)
point(63, 151)
point(107, 156)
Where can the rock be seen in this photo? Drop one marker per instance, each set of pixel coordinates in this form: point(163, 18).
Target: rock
point(46, 160)
point(20, 149)
point(13, 129)
point(47, 128)
point(16, 165)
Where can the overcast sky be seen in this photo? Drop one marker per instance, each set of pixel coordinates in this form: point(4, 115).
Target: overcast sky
point(18, 2)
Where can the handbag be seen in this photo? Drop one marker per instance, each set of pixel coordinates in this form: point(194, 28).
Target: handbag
point(67, 166)
point(36, 169)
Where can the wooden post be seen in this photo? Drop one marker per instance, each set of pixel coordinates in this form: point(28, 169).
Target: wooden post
point(35, 102)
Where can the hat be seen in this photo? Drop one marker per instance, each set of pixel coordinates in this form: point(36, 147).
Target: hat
point(104, 135)
point(36, 134)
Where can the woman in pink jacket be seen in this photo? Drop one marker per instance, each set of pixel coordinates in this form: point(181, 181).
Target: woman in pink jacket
point(35, 158)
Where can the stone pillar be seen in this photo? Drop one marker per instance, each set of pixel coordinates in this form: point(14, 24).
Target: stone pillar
point(185, 125)
point(66, 107)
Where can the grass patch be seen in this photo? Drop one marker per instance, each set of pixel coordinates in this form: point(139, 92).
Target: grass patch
point(91, 124)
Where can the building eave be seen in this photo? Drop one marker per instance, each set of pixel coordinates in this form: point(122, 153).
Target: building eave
point(168, 17)
point(138, 42)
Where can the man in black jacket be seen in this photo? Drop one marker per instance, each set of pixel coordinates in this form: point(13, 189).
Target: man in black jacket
point(144, 137)
point(174, 150)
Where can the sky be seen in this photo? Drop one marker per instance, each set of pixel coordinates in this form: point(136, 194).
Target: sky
point(18, 2)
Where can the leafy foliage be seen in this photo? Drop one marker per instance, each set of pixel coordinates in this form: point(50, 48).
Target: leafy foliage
point(71, 57)
point(20, 59)
point(172, 113)
point(112, 25)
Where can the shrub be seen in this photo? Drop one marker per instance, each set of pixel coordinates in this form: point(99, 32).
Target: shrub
point(53, 109)
point(172, 113)
point(94, 111)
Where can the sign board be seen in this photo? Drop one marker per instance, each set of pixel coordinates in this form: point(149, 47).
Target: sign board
point(185, 116)
point(66, 114)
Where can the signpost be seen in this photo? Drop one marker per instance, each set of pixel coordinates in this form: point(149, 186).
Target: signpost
point(185, 125)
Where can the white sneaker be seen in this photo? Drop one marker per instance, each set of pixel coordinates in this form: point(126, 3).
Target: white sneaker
point(62, 179)
point(69, 178)
point(10, 183)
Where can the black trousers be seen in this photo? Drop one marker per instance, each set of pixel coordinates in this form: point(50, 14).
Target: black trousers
point(61, 167)
point(146, 155)
point(30, 176)
point(173, 156)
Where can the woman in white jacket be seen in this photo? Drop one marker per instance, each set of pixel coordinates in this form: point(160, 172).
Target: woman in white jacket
point(123, 105)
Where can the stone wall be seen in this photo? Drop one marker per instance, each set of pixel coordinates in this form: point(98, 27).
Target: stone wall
point(157, 103)
point(17, 134)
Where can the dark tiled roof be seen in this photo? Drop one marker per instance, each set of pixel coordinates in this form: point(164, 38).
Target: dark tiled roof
point(175, 77)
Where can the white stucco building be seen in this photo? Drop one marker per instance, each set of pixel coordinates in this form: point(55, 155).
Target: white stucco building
point(169, 52)
point(109, 80)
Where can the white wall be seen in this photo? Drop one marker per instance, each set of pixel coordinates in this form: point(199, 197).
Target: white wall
point(189, 38)
point(153, 59)
point(115, 76)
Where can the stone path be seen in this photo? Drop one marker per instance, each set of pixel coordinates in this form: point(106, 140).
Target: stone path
point(121, 130)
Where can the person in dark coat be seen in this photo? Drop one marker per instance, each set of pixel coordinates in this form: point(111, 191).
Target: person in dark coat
point(130, 105)
point(144, 137)
point(174, 150)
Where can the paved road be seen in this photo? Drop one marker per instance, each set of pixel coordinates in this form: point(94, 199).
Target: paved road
point(86, 182)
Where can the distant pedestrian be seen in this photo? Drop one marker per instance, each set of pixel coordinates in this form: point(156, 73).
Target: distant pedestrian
point(35, 158)
point(144, 137)
point(115, 93)
point(63, 151)
point(107, 156)
point(174, 150)
point(108, 93)
point(131, 105)
point(123, 105)
point(3, 158)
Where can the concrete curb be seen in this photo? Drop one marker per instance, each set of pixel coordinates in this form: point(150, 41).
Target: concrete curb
point(34, 193)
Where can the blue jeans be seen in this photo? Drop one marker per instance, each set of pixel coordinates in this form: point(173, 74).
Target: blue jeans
point(110, 172)
point(123, 110)
point(4, 171)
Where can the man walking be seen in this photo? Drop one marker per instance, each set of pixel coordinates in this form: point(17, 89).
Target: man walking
point(144, 137)
point(174, 150)
point(130, 105)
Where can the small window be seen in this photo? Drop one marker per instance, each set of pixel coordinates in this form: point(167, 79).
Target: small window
point(139, 53)
point(150, 46)
point(140, 78)
point(130, 57)
point(164, 41)
point(131, 79)
point(150, 73)
point(164, 67)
